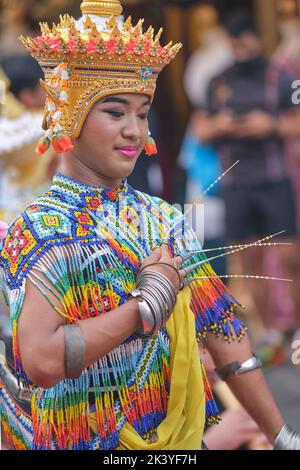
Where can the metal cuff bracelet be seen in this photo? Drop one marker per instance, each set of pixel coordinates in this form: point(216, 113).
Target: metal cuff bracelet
point(287, 439)
point(74, 351)
point(236, 368)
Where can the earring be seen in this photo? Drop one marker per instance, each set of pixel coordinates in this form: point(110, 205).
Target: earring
point(56, 135)
point(150, 146)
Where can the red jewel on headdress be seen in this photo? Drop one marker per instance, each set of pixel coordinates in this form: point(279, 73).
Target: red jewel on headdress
point(91, 46)
point(54, 43)
point(147, 47)
point(130, 47)
point(111, 44)
point(72, 45)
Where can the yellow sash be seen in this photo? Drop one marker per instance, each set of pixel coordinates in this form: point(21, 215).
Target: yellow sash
point(182, 429)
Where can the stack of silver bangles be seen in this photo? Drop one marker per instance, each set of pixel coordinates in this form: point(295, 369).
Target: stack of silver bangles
point(287, 439)
point(157, 301)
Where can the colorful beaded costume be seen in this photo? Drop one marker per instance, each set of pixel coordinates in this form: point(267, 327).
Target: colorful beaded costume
point(84, 241)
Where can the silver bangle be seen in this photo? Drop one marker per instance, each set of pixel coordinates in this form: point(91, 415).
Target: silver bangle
point(161, 263)
point(155, 306)
point(148, 320)
point(161, 278)
point(287, 439)
point(161, 282)
point(236, 368)
point(159, 298)
point(75, 350)
point(162, 286)
point(164, 301)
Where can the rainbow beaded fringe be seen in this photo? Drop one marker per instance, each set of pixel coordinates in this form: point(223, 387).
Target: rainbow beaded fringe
point(78, 245)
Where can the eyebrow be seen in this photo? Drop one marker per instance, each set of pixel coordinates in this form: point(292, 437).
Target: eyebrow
point(115, 99)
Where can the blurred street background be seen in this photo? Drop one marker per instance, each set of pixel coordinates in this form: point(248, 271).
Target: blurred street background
point(231, 94)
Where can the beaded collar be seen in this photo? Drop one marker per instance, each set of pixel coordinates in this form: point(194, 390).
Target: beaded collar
point(83, 194)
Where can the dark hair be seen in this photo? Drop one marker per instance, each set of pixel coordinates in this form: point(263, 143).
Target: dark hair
point(239, 23)
point(23, 72)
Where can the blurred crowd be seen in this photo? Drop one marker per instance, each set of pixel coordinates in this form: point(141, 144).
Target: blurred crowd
point(240, 105)
point(245, 111)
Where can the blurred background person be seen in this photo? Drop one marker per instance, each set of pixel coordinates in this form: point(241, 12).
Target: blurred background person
point(287, 56)
point(24, 173)
point(21, 17)
point(287, 53)
point(213, 54)
point(24, 76)
point(15, 20)
point(249, 114)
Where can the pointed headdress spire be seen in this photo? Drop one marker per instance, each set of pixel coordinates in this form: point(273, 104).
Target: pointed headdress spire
point(103, 8)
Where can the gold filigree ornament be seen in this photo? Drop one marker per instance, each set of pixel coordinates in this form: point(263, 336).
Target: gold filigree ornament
point(89, 59)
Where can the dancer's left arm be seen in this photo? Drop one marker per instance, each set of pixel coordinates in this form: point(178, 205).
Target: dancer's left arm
point(250, 388)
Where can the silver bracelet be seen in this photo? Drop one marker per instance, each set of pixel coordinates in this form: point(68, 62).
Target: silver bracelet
point(159, 286)
point(161, 282)
point(161, 278)
point(159, 298)
point(75, 350)
point(148, 320)
point(162, 286)
point(156, 306)
point(287, 439)
point(163, 302)
point(236, 368)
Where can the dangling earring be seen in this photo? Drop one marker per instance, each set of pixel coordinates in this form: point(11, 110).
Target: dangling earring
point(150, 146)
point(55, 135)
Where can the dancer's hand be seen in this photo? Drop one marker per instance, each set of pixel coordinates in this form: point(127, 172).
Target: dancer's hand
point(235, 430)
point(163, 255)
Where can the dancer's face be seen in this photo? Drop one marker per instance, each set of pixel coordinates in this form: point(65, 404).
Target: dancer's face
point(113, 135)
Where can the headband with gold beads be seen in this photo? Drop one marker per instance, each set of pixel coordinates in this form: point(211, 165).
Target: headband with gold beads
point(89, 59)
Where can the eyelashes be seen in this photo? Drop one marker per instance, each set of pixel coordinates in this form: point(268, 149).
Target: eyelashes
point(119, 114)
point(116, 114)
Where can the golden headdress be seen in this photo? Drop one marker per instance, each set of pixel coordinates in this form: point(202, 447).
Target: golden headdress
point(88, 59)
